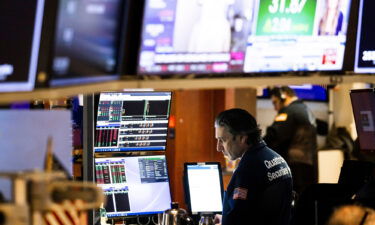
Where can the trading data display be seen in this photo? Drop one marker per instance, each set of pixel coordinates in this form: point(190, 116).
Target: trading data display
point(132, 121)
point(231, 36)
point(365, 50)
point(134, 185)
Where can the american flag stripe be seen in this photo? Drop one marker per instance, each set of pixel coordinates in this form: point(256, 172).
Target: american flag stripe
point(240, 193)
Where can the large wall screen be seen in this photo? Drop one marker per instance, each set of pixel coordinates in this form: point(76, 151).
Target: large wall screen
point(224, 36)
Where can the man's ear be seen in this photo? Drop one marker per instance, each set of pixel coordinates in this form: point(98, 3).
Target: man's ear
point(243, 139)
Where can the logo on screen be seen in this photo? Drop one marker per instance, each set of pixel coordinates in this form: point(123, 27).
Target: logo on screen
point(367, 121)
point(329, 57)
point(5, 70)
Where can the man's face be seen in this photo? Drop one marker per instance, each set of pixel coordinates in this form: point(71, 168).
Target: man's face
point(277, 103)
point(231, 146)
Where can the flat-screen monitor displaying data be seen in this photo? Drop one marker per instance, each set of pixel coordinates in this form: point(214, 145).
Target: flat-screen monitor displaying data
point(363, 104)
point(21, 26)
point(134, 186)
point(87, 41)
point(224, 36)
point(365, 46)
point(136, 121)
point(204, 187)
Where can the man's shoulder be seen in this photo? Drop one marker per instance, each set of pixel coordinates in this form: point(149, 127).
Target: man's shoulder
point(258, 159)
point(298, 104)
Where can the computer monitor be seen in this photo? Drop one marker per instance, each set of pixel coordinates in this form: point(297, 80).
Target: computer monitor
point(21, 31)
point(134, 185)
point(203, 187)
point(363, 104)
point(132, 121)
point(89, 38)
point(234, 36)
point(365, 54)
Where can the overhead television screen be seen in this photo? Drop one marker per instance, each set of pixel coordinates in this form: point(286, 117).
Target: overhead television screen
point(134, 186)
point(21, 26)
point(87, 41)
point(224, 36)
point(187, 36)
point(136, 121)
point(365, 46)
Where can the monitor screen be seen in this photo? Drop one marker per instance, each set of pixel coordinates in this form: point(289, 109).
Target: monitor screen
point(87, 41)
point(305, 92)
point(224, 36)
point(365, 53)
point(204, 187)
point(363, 104)
point(305, 35)
point(21, 26)
point(134, 185)
point(136, 121)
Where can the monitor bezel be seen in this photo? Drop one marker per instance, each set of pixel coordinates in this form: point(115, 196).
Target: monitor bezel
point(186, 184)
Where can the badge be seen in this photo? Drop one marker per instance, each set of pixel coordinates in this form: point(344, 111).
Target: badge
point(240, 193)
point(281, 117)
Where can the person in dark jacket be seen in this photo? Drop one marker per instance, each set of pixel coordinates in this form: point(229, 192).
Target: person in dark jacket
point(293, 135)
point(260, 190)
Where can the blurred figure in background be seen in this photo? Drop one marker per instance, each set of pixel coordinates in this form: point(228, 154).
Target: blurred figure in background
point(352, 215)
point(293, 136)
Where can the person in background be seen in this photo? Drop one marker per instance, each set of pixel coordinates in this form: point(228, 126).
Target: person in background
point(260, 190)
point(211, 32)
point(293, 136)
point(332, 19)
